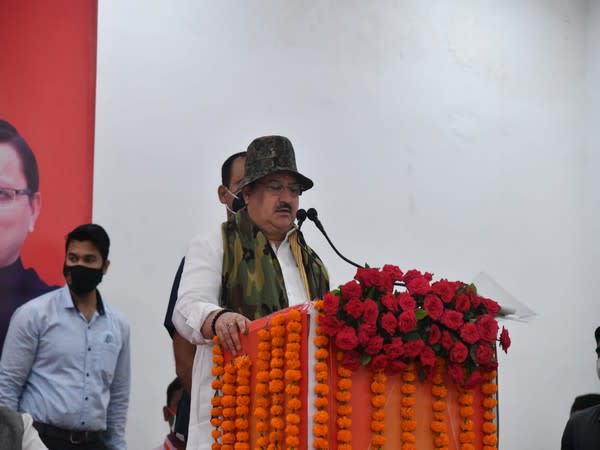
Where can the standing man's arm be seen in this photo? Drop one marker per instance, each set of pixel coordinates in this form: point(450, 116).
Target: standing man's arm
point(568, 436)
point(18, 355)
point(116, 415)
point(184, 360)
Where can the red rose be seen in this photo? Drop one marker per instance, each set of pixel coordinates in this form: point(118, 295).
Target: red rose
point(389, 323)
point(487, 327)
point(444, 289)
point(354, 307)
point(459, 352)
point(413, 349)
point(434, 306)
point(330, 304)
point(365, 331)
point(452, 319)
point(411, 275)
point(379, 362)
point(491, 306)
point(351, 360)
point(434, 334)
point(346, 339)
point(469, 333)
point(396, 366)
point(428, 357)
point(418, 286)
point(394, 349)
point(484, 354)
point(394, 272)
point(462, 303)
point(374, 346)
point(370, 311)
point(447, 340)
point(474, 380)
point(330, 325)
point(455, 372)
point(504, 340)
point(390, 301)
point(475, 299)
point(351, 290)
point(406, 302)
point(407, 321)
point(369, 277)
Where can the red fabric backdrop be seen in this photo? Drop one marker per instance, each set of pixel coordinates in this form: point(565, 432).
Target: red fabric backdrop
point(47, 91)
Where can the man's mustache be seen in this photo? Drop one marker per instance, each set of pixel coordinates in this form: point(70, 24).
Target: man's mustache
point(284, 207)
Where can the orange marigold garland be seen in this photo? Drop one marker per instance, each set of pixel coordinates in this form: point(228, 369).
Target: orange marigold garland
point(217, 384)
point(292, 378)
point(377, 411)
point(242, 402)
point(321, 419)
point(441, 441)
point(408, 415)
point(344, 406)
point(261, 410)
point(228, 402)
point(466, 436)
point(489, 388)
point(276, 384)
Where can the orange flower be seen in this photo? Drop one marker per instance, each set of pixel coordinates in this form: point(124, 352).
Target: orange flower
point(321, 417)
point(490, 431)
point(408, 416)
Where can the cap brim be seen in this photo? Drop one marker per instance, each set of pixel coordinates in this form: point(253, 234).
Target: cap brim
point(305, 182)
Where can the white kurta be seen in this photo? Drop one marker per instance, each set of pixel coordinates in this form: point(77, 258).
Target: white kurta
point(198, 296)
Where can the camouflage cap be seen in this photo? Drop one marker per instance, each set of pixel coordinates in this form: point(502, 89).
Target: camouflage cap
point(270, 154)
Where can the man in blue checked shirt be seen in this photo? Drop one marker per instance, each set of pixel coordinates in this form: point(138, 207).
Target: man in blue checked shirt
point(66, 355)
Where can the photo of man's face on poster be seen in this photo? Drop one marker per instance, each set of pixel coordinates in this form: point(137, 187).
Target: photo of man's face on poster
point(20, 205)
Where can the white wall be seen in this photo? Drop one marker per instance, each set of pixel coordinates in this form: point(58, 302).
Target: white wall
point(446, 136)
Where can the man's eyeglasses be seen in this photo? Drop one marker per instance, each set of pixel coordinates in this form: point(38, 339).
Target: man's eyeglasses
point(8, 195)
point(276, 188)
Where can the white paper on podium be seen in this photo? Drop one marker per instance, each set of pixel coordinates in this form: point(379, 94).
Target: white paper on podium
point(512, 309)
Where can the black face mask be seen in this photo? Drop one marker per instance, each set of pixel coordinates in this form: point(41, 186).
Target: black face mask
point(83, 279)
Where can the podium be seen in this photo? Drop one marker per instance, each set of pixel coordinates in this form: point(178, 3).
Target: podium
point(301, 397)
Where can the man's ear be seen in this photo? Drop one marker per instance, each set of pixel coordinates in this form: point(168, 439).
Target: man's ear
point(222, 193)
point(35, 203)
point(105, 266)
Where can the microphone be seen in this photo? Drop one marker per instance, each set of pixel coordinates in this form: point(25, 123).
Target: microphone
point(300, 217)
point(313, 216)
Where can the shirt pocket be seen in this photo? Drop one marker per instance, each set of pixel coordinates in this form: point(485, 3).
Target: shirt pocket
point(107, 357)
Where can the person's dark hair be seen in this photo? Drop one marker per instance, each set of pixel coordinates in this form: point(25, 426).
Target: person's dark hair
point(585, 401)
point(10, 135)
point(93, 233)
point(226, 168)
point(173, 387)
point(597, 335)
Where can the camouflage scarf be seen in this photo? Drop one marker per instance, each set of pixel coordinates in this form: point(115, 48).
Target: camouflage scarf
point(252, 282)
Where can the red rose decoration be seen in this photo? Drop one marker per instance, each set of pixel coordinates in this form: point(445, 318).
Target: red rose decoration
point(484, 354)
point(390, 301)
point(379, 362)
point(374, 346)
point(413, 349)
point(452, 319)
point(504, 339)
point(411, 275)
point(459, 352)
point(365, 331)
point(354, 308)
point(330, 304)
point(428, 357)
point(434, 306)
point(351, 290)
point(462, 303)
point(444, 289)
point(351, 360)
point(487, 327)
point(346, 339)
point(370, 311)
point(330, 325)
point(407, 302)
point(435, 335)
point(389, 323)
point(474, 298)
point(474, 380)
point(447, 340)
point(393, 271)
point(396, 366)
point(455, 372)
point(394, 349)
point(407, 321)
point(469, 333)
point(418, 286)
point(491, 306)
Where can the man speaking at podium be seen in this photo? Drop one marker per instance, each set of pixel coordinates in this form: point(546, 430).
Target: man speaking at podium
point(254, 265)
